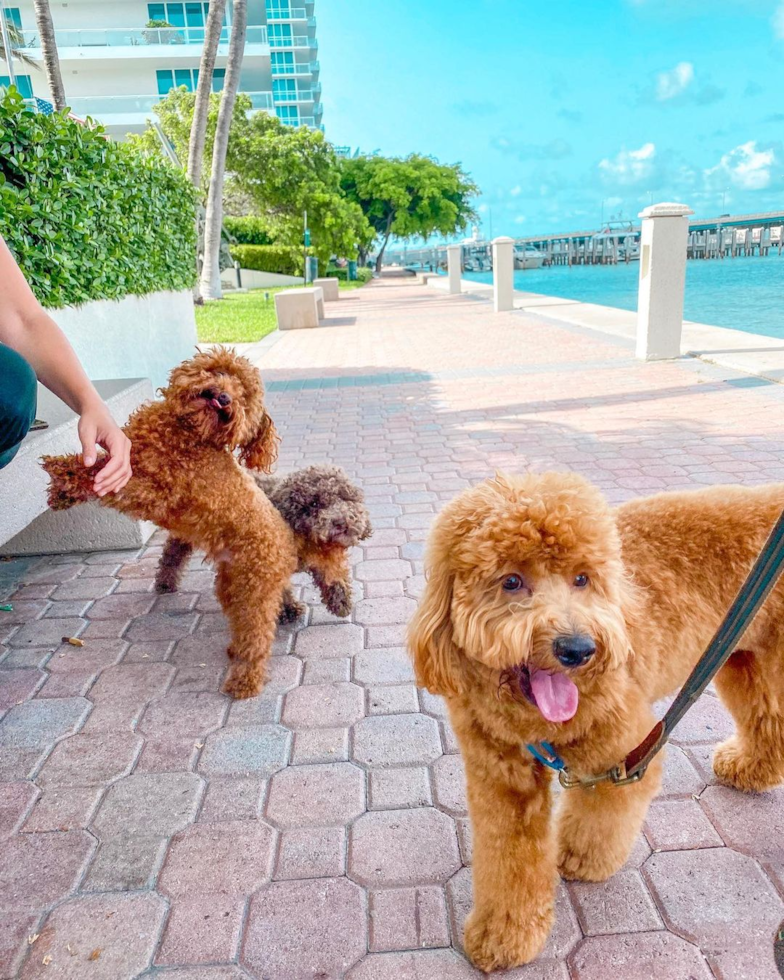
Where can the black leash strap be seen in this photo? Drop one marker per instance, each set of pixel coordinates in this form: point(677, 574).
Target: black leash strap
point(761, 579)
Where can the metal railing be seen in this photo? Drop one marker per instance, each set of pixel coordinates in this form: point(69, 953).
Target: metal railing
point(298, 68)
point(298, 41)
point(136, 37)
point(98, 105)
point(303, 95)
point(260, 100)
point(295, 13)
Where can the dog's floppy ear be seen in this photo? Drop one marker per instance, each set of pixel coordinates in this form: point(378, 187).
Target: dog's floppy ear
point(430, 639)
point(262, 450)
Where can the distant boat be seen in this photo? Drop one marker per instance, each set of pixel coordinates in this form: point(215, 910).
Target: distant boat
point(527, 257)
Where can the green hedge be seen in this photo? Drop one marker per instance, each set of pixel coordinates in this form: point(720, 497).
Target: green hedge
point(286, 260)
point(88, 218)
point(363, 275)
point(249, 230)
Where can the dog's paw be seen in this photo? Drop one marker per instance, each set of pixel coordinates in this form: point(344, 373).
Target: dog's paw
point(243, 681)
point(291, 611)
point(165, 588)
point(337, 599)
point(733, 767)
point(499, 939)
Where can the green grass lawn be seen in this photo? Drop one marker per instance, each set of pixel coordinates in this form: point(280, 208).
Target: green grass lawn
point(242, 317)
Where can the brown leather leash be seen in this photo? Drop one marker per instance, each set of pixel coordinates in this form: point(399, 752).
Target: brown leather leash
point(760, 581)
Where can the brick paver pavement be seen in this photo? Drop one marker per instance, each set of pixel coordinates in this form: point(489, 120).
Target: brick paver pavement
point(153, 828)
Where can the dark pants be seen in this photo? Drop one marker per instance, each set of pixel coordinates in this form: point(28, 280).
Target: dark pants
point(18, 392)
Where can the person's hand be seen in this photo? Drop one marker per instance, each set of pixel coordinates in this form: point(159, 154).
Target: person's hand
point(97, 427)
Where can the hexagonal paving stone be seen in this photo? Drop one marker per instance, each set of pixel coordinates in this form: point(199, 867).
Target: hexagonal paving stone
point(394, 789)
point(390, 666)
point(232, 858)
point(204, 930)
point(403, 847)
point(127, 862)
point(380, 612)
point(408, 918)
point(95, 655)
point(299, 929)
point(677, 825)
point(199, 973)
point(184, 714)
point(138, 682)
point(91, 759)
point(722, 901)
point(40, 869)
point(381, 571)
point(18, 684)
point(124, 928)
point(161, 626)
point(619, 905)
point(14, 930)
point(324, 706)
point(153, 804)
point(565, 933)
point(16, 799)
point(42, 721)
point(750, 822)
point(396, 740)
point(256, 750)
point(324, 642)
point(653, 955)
point(46, 632)
point(449, 781)
point(313, 796)
point(443, 964)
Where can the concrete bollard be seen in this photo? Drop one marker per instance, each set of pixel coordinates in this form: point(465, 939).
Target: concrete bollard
point(454, 260)
point(665, 231)
point(503, 274)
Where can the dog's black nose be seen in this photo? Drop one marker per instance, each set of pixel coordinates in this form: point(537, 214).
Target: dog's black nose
point(573, 650)
point(224, 399)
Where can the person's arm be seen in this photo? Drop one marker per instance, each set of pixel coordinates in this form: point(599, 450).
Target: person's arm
point(28, 329)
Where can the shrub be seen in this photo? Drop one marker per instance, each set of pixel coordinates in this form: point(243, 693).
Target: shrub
point(363, 274)
point(88, 218)
point(248, 230)
point(286, 260)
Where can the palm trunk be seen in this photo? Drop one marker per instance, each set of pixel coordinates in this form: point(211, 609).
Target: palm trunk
point(210, 273)
point(201, 109)
point(380, 255)
point(43, 18)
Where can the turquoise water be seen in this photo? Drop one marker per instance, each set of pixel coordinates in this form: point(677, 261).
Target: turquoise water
point(743, 293)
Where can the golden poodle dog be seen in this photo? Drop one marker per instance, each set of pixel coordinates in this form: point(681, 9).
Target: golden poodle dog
point(548, 616)
point(187, 480)
point(327, 515)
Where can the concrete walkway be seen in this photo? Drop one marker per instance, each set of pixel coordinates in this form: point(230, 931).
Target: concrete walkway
point(153, 828)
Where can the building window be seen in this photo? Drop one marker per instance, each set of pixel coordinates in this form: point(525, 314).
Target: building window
point(279, 35)
point(190, 15)
point(288, 114)
point(13, 17)
point(23, 83)
point(282, 62)
point(284, 89)
point(169, 78)
point(278, 8)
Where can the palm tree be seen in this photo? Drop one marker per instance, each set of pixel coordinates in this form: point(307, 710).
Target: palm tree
point(43, 18)
point(15, 43)
point(212, 33)
point(210, 272)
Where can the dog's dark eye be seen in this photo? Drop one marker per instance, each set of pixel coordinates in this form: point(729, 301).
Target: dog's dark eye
point(512, 583)
point(581, 580)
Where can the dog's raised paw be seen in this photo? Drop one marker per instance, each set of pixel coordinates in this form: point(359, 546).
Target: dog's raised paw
point(498, 940)
point(338, 600)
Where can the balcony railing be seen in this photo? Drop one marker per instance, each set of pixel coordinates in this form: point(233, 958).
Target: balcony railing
point(106, 105)
point(295, 13)
point(298, 68)
point(260, 100)
point(303, 95)
point(298, 41)
point(136, 37)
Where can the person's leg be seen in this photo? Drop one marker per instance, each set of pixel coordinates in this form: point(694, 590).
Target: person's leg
point(18, 396)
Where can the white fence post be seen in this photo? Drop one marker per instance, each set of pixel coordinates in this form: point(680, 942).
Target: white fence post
point(503, 274)
point(665, 232)
point(454, 262)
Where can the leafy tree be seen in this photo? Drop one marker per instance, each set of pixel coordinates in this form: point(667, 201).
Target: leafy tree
point(287, 171)
point(409, 198)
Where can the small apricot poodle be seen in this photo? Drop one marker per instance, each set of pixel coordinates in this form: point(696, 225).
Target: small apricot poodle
point(187, 480)
point(326, 513)
point(547, 616)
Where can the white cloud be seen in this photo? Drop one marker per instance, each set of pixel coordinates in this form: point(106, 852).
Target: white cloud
point(482, 209)
point(670, 84)
point(516, 191)
point(519, 219)
point(746, 167)
point(630, 166)
point(778, 21)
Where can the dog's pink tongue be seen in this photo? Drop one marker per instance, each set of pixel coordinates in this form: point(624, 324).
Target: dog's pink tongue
point(556, 695)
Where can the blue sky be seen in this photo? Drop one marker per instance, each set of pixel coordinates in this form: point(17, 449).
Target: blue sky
point(566, 108)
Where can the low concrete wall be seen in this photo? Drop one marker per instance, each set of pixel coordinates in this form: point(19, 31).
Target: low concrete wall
point(135, 337)
point(252, 279)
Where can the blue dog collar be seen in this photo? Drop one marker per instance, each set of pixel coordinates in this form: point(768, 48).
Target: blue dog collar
point(544, 752)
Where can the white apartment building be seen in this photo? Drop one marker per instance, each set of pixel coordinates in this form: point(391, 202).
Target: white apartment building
point(115, 68)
